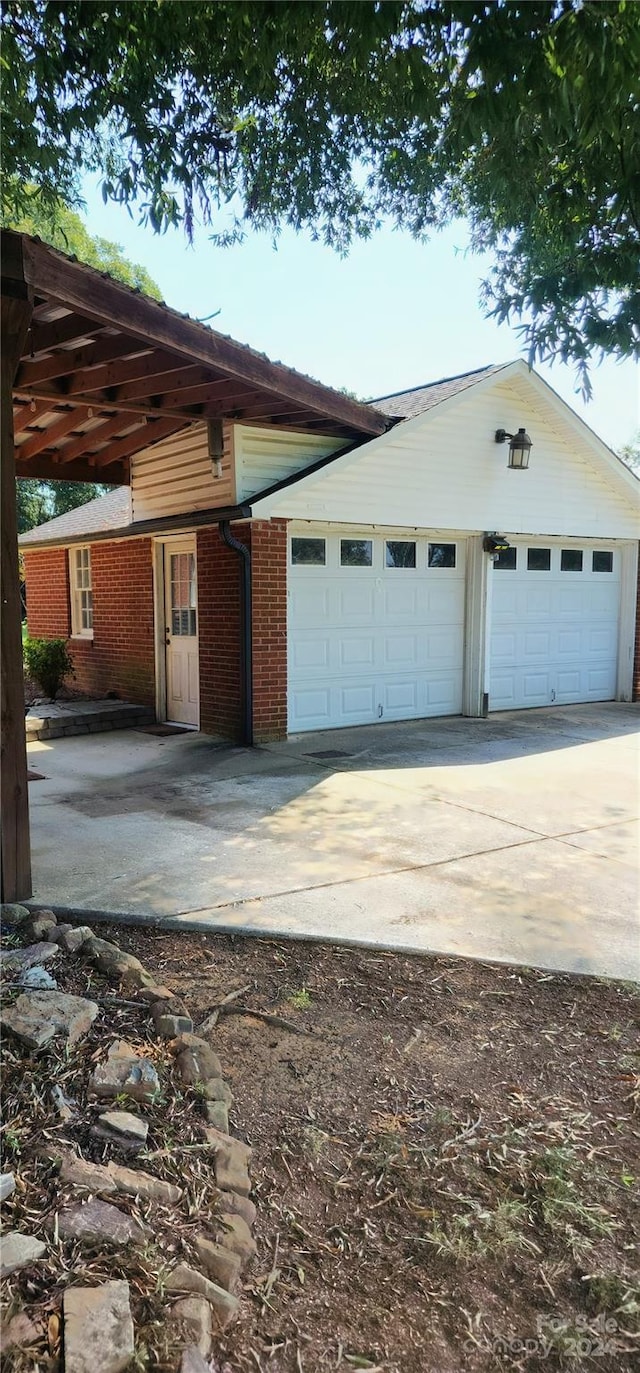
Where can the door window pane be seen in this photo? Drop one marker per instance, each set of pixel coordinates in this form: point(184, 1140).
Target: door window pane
point(571, 560)
point(308, 552)
point(507, 559)
point(183, 594)
point(602, 560)
point(400, 553)
point(442, 555)
point(538, 560)
point(356, 552)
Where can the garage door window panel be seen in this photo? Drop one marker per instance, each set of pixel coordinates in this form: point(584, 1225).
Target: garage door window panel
point(356, 553)
point(442, 555)
point(571, 560)
point(538, 560)
point(400, 553)
point(602, 560)
point(308, 552)
point(506, 560)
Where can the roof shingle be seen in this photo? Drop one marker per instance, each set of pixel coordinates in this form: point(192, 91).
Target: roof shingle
point(112, 511)
point(406, 405)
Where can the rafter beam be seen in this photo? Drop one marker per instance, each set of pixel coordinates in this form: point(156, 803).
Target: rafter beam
point(27, 414)
point(80, 288)
point(47, 438)
point(45, 336)
point(32, 374)
point(142, 437)
point(100, 379)
point(86, 443)
point(47, 467)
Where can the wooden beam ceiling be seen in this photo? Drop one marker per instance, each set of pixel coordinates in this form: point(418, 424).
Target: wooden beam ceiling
point(96, 348)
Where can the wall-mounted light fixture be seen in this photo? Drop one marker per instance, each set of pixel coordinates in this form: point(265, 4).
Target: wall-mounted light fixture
point(215, 444)
point(520, 446)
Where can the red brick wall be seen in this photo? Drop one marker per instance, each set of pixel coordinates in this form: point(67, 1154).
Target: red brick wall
point(636, 665)
point(219, 634)
point(120, 657)
point(219, 588)
point(47, 581)
point(269, 570)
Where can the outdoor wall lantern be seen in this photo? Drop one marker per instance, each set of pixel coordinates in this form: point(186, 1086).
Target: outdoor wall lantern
point(520, 446)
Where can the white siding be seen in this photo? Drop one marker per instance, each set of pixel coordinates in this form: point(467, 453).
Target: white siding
point(445, 470)
point(175, 477)
point(264, 456)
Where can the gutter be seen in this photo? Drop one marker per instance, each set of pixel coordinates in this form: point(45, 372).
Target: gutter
point(246, 646)
point(168, 524)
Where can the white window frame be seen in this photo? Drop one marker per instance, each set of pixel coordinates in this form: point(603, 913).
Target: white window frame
point(78, 630)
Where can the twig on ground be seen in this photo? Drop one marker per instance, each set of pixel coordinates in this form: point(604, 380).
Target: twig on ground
point(212, 1019)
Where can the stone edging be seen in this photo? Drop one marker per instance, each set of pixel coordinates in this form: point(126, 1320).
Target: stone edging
point(208, 1290)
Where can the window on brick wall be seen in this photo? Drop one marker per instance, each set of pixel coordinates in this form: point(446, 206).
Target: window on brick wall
point(81, 593)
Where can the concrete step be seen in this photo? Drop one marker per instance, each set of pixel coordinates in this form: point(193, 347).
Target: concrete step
point(60, 718)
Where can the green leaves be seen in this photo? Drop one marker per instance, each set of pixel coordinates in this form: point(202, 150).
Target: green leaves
point(332, 115)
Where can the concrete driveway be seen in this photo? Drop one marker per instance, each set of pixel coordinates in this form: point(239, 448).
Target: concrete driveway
point(513, 838)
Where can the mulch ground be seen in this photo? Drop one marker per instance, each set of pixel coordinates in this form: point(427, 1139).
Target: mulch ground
point(446, 1156)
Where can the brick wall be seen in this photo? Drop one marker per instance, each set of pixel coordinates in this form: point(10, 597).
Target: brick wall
point(269, 569)
point(219, 590)
point(636, 664)
point(47, 582)
point(120, 657)
point(219, 634)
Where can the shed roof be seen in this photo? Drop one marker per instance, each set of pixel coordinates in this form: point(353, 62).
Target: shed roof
point(112, 511)
point(106, 371)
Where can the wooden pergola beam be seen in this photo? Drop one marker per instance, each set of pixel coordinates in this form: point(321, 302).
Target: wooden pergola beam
point(122, 369)
point(24, 415)
point(86, 443)
point(48, 467)
point(63, 364)
point(53, 333)
point(80, 288)
point(47, 438)
point(143, 437)
point(15, 849)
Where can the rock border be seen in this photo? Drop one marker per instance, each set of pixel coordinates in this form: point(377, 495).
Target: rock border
point(206, 1298)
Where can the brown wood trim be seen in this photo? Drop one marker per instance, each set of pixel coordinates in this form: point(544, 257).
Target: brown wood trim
point(47, 438)
point(86, 443)
point(81, 288)
point(47, 467)
point(52, 334)
point(97, 379)
point(31, 374)
point(143, 437)
point(15, 850)
point(24, 415)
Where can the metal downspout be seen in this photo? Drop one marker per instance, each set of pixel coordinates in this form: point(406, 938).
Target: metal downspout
point(246, 648)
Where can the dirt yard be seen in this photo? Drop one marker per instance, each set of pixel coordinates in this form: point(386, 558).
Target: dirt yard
point(446, 1157)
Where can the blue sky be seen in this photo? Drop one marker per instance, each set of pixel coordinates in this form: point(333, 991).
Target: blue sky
point(393, 314)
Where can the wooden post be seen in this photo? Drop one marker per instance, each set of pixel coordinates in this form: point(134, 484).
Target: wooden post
point(15, 851)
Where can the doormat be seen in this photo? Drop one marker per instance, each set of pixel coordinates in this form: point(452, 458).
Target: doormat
point(35, 776)
point(162, 730)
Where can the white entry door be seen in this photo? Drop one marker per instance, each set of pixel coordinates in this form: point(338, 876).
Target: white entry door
point(181, 632)
point(554, 625)
point(376, 626)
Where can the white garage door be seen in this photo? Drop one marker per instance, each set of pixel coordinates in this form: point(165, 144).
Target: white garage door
point(555, 622)
point(376, 628)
